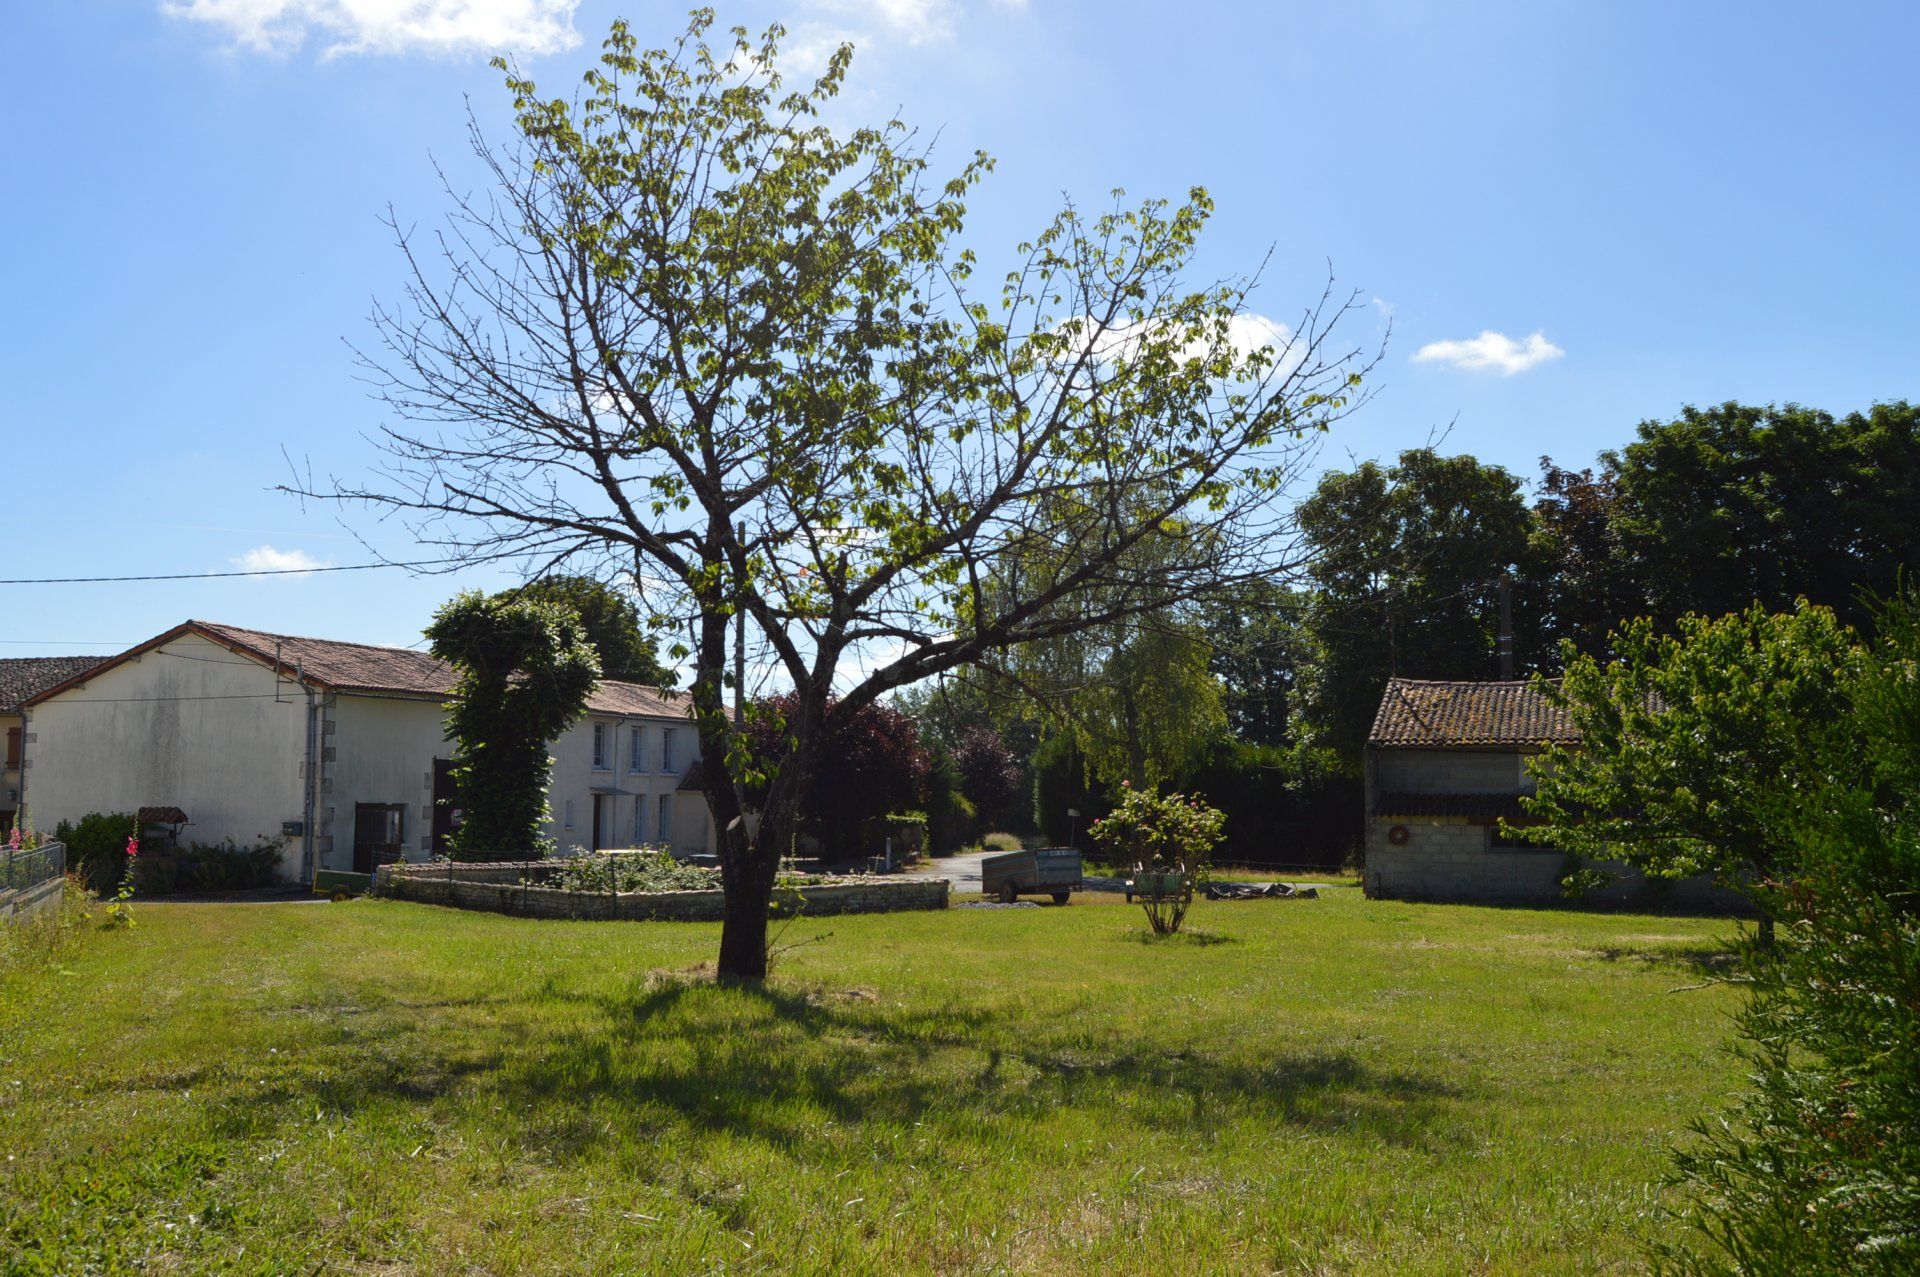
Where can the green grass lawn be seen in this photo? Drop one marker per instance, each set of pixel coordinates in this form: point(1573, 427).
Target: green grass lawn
point(1317, 1087)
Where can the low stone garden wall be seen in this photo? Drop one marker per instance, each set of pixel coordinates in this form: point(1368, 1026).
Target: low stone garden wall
point(514, 888)
point(17, 906)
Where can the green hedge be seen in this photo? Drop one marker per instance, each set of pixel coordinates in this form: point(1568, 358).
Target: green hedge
point(97, 848)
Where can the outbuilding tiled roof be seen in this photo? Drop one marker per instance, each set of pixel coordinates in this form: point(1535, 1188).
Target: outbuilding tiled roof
point(24, 677)
point(387, 671)
point(1417, 714)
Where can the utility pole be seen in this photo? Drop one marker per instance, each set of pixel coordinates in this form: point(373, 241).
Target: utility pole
point(1506, 627)
point(739, 646)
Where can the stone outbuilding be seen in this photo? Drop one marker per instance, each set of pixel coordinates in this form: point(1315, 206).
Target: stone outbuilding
point(1446, 763)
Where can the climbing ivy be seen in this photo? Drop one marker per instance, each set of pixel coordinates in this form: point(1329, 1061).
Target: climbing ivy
point(526, 669)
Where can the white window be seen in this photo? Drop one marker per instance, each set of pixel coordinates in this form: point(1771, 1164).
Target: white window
point(640, 821)
point(600, 763)
point(668, 739)
point(566, 815)
point(636, 750)
point(663, 832)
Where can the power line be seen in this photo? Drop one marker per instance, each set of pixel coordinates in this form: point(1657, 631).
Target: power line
point(112, 643)
point(207, 576)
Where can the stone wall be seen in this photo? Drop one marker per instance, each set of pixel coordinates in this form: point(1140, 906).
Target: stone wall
point(505, 888)
point(18, 906)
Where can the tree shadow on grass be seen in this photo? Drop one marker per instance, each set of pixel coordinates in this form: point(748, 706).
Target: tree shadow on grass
point(1187, 936)
point(1703, 959)
point(790, 1065)
point(772, 1062)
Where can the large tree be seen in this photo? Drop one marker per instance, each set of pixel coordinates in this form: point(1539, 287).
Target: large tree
point(1682, 737)
point(1409, 563)
point(611, 619)
point(1815, 1167)
point(872, 765)
point(1728, 506)
point(1258, 641)
point(697, 338)
point(1581, 581)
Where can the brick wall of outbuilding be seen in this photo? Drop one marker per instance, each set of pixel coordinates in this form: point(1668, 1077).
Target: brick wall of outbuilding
point(1452, 860)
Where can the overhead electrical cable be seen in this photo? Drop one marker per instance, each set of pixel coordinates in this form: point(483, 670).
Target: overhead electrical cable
point(206, 576)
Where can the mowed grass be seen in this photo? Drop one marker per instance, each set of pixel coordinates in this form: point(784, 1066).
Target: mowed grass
point(1325, 1086)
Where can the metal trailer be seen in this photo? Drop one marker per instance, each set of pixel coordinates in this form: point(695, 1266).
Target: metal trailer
point(340, 884)
point(1050, 871)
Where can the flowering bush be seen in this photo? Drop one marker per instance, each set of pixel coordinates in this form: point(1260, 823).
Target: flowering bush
point(120, 912)
point(1160, 830)
point(1168, 839)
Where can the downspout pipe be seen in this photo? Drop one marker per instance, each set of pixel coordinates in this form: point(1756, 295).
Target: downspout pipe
point(309, 840)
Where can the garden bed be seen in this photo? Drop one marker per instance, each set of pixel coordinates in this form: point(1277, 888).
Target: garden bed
point(516, 887)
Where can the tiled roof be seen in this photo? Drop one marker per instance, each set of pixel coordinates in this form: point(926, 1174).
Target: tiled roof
point(1471, 806)
point(390, 671)
point(346, 667)
point(1431, 715)
point(613, 697)
point(22, 677)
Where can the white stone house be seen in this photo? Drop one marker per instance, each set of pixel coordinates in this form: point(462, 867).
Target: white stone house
point(340, 748)
point(1446, 763)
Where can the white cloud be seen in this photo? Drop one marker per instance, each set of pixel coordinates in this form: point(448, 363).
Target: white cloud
point(388, 26)
point(264, 558)
point(1246, 333)
point(809, 47)
point(915, 21)
point(1491, 350)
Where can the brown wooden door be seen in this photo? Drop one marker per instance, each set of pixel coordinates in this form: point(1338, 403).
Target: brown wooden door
point(446, 804)
point(379, 837)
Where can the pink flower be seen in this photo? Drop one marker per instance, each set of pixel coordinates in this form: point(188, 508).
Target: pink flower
point(13, 839)
point(133, 845)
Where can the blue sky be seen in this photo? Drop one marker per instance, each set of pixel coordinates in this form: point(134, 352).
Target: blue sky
point(1686, 202)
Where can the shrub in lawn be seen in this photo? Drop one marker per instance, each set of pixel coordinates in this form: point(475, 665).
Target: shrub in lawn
point(1168, 836)
point(97, 847)
point(1001, 842)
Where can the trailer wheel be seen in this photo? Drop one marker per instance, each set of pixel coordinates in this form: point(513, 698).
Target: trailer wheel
point(340, 894)
point(1009, 892)
point(1061, 897)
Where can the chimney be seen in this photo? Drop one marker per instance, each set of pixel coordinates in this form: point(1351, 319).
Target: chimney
point(1506, 626)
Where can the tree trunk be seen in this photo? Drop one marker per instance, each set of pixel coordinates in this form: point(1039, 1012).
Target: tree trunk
point(743, 934)
point(743, 930)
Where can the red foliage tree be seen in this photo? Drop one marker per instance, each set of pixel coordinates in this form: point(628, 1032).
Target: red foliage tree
point(990, 775)
point(873, 764)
